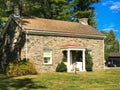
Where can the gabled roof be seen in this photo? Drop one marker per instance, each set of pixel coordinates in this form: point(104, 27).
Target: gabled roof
point(56, 27)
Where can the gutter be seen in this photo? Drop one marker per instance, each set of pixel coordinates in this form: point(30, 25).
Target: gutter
point(67, 34)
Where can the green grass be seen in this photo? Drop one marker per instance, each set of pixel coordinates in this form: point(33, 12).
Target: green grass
point(98, 80)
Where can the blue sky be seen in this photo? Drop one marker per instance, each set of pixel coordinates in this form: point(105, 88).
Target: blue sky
point(108, 16)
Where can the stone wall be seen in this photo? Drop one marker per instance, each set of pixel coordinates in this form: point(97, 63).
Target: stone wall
point(36, 44)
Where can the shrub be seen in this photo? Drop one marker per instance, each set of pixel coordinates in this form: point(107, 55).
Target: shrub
point(64, 59)
point(18, 68)
point(88, 62)
point(61, 67)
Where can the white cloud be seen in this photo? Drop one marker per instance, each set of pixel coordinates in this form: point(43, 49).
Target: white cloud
point(111, 27)
point(115, 6)
point(107, 2)
point(108, 29)
point(112, 5)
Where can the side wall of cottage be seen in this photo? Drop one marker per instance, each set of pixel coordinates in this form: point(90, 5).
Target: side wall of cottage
point(36, 44)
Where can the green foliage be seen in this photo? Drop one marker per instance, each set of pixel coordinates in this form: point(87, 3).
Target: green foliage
point(88, 61)
point(52, 9)
point(61, 67)
point(111, 43)
point(18, 68)
point(83, 9)
point(64, 59)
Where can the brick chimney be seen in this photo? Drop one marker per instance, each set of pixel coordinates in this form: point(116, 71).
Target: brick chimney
point(83, 21)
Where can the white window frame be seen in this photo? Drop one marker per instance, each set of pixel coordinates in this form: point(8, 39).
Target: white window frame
point(49, 56)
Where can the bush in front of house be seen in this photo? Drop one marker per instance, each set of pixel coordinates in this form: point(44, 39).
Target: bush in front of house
point(18, 68)
point(64, 59)
point(88, 61)
point(61, 67)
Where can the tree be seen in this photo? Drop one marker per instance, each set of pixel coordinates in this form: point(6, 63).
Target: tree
point(111, 43)
point(52, 9)
point(83, 9)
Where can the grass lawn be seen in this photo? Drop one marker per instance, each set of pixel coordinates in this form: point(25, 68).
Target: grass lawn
point(98, 80)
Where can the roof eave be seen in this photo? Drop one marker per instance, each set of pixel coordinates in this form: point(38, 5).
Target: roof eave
point(67, 34)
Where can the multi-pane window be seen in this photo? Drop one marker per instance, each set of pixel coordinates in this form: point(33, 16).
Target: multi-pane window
point(47, 55)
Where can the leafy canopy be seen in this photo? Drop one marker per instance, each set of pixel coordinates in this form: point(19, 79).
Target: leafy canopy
point(111, 43)
point(52, 9)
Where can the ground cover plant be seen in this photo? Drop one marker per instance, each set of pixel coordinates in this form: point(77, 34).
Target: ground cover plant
point(97, 80)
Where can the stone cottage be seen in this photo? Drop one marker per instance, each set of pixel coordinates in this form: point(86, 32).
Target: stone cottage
point(45, 42)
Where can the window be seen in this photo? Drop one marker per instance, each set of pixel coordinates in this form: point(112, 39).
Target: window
point(47, 55)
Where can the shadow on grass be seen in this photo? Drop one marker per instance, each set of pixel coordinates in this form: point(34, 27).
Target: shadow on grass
point(24, 84)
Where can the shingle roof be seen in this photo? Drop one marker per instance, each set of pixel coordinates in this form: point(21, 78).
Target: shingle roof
point(50, 25)
point(114, 55)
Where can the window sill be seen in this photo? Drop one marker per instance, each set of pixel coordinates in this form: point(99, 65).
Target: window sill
point(47, 64)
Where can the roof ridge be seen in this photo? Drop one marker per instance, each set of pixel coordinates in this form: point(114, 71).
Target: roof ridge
point(50, 19)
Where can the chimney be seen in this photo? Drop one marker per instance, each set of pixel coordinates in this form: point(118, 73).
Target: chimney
point(17, 13)
point(83, 21)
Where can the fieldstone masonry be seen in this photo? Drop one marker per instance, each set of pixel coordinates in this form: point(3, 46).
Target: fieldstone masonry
point(36, 44)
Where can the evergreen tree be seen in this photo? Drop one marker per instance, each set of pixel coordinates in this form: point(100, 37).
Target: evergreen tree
point(83, 9)
point(52, 9)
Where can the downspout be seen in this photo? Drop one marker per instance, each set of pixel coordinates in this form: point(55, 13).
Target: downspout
point(26, 51)
point(119, 46)
point(104, 55)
